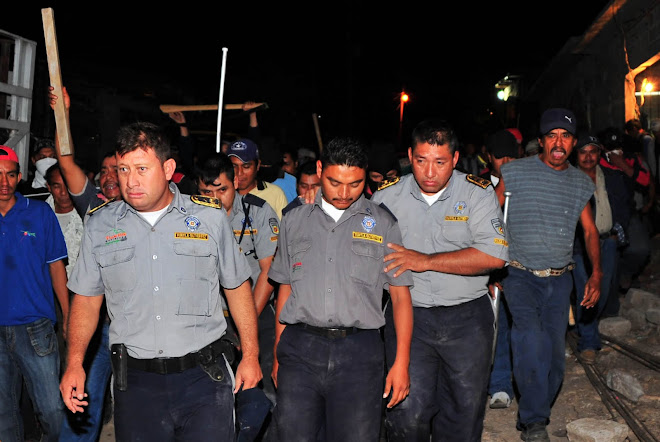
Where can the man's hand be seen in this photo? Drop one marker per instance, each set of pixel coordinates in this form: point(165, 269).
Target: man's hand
point(492, 287)
point(72, 387)
point(52, 98)
point(592, 290)
point(398, 382)
point(178, 117)
point(405, 259)
point(273, 373)
point(248, 374)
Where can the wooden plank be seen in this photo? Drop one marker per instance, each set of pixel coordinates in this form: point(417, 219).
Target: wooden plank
point(168, 108)
point(52, 53)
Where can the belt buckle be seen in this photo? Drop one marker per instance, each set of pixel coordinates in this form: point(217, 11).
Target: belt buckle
point(542, 273)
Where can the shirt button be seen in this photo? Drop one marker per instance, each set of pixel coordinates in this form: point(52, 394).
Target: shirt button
point(153, 229)
point(329, 290)
point(158, 317)
point(160, 352)
point(155, 256)
point(330, 259)
point(329, 320)
point(156, 289)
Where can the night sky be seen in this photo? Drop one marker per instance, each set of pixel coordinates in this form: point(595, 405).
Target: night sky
point(346, 61)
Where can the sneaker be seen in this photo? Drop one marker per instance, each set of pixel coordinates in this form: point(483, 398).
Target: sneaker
point(500, 400)
point(535, 432)
point(588, 356)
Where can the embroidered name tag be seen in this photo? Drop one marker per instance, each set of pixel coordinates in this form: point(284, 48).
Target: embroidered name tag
point(456, 218)
point(191, 235)
point(501, 242)
point(247, 232)
point(368, 237)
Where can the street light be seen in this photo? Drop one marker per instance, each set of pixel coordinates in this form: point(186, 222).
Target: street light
point(403, 98)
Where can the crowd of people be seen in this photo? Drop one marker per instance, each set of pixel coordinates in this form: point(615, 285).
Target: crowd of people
point(274, 293)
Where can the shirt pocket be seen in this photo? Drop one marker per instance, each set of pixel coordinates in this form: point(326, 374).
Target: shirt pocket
point(366, 261)
point(118, 269)
point(452, 233)
point(195, 269)
point(298, 249)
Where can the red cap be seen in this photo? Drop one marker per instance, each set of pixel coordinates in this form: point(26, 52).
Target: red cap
point(516, 133)
point(7, 153)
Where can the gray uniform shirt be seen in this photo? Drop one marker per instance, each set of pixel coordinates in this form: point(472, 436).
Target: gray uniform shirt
point(466, 215)
point(256, 235)
point(336, 269)
point(161, 283)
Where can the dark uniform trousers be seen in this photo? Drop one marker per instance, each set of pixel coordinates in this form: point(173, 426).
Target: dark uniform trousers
point(451, 345)
point(336, 382)
point(187, 406)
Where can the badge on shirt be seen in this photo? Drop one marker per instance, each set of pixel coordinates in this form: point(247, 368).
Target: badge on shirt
point(26, 233)
point(239, 232)
point(368, 237)
point(457, 218)
point(274, 226)
point(497, 225)
point(115, 235)
point(459, 207)
point(368, 223)
point(193, 223)
point(189, 235)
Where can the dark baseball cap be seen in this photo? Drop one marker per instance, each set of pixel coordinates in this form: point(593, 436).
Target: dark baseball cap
point(8, 154)
point(502, 144)
point(558, 118)
point(244, 149)
point(588, 140)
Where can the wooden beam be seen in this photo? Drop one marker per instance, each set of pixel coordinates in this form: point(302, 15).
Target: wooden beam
point(61, 117)
point(168, 108)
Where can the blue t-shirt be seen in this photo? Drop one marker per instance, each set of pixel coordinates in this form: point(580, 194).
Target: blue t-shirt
point(30, 239)
point(288, 185)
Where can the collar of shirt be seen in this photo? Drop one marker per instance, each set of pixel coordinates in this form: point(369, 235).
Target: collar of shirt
point(20, 204)
point(359, 206)
point(416, 191)
point(177, 203)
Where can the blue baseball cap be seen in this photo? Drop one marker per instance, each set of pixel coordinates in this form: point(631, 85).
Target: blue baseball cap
point(244, 149)
point(558, 118)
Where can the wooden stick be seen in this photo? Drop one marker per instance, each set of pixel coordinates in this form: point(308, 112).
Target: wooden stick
point(61, 117)
point(168, 108)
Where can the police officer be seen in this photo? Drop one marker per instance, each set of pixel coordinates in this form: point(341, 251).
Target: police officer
point(256, 228)
point(329, 263)
point(160, 259)
point(452, 238)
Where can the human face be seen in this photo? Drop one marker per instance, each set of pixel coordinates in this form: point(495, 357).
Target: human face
point(245, 173)
point(289, 166)
point(144, 181)
point(9, 179)
point(341, 185)
point(44, 152)
point(221, 188)
point(307, 183)
point(432, 166)
point(588, 158)
point(61, 197)
point(556, 147)
point(108, 179)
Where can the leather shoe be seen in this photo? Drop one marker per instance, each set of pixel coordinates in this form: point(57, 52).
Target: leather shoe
point(535, 432)
point(588, 356)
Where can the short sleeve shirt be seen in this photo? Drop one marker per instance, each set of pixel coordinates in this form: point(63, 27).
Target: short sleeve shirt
point(162, 283)
point(256, 233)
point(465, 215)
point(30, 239)
point(336, 269)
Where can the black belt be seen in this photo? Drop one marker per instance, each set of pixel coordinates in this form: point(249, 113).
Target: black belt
point(337, 332)
point(174, 365)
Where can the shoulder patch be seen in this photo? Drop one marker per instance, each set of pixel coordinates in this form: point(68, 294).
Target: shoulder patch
point(254, 200)
point(206, 201)
point(292, 205)
point(388, 183)
point(91, 211)
point(481, 182)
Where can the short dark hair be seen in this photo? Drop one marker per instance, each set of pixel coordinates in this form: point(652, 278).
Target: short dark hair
point(436, 132)
point(51, 171)
point(306, 168)
point(345, 151)
point(290, 149)
point(633, 125)
point(144, 135)
point(214, 166)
